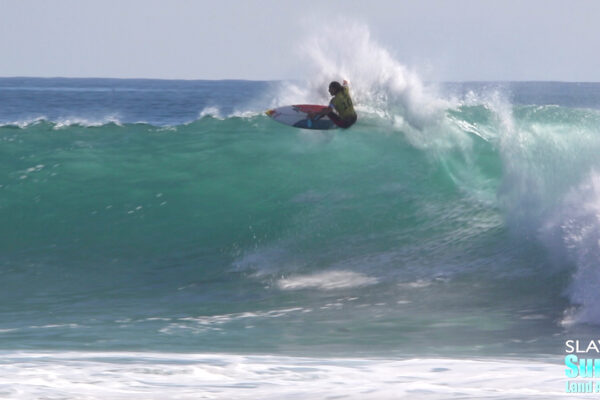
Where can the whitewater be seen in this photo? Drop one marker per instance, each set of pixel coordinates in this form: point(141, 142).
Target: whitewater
point(166, 239)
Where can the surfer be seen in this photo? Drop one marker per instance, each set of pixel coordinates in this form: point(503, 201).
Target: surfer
point(340, 109)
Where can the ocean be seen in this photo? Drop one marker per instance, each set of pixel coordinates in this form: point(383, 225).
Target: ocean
point(168, 240)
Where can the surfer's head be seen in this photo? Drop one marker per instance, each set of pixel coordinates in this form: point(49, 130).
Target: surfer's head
point(334, 88)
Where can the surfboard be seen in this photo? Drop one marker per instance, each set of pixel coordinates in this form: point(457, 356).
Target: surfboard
point(297, 116)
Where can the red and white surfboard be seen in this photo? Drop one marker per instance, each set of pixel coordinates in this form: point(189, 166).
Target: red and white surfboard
point(297, 116)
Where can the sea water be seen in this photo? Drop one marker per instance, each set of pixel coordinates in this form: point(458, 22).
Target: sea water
point(167, 239)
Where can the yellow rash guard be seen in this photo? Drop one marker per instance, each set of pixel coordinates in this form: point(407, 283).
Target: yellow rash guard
point(342, 103)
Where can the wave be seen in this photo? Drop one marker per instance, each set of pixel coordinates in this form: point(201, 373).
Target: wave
point(426, 186)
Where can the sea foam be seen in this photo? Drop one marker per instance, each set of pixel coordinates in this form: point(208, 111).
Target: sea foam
point(380, 84)
point(113, 375)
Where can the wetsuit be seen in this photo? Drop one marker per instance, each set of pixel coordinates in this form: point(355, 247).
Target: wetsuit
point(342, 103)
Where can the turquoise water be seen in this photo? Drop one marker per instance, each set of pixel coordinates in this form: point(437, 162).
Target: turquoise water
point(175, 217)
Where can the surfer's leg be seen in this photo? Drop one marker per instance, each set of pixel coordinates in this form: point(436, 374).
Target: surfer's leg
point(336, 119)
point(342, 123)
point(349, 122)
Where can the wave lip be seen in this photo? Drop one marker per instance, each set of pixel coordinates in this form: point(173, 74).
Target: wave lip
point(25, 122)
point(86, 122)
point(66, 122)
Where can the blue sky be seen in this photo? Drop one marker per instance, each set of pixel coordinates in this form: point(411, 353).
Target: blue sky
point(249, 39)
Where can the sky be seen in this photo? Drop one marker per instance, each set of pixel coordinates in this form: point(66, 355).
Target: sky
point(443, 40)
